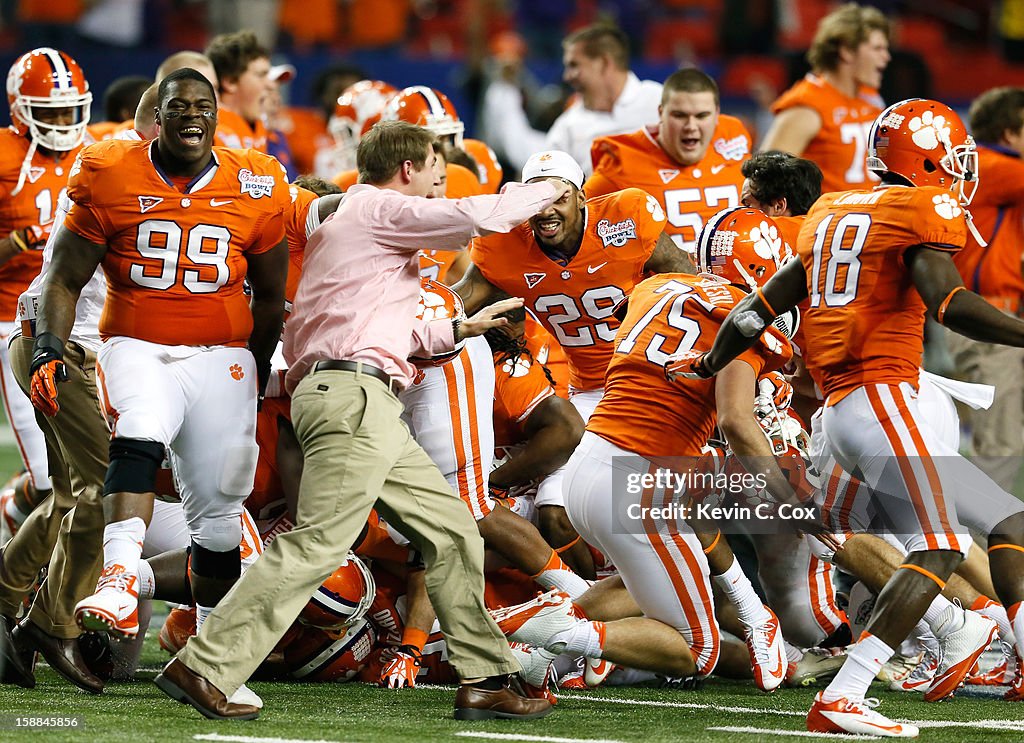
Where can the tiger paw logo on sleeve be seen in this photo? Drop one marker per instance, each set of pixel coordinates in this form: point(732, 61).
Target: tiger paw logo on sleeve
point(946, 206)
point(256, 186)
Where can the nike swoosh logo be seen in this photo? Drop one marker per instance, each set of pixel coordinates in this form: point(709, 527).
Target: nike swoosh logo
point(214, 202)
point(598, 267)
point(716, 168)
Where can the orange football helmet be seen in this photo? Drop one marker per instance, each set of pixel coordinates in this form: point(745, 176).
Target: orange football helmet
point(316, 655)
point(438, 302)
point(48, 79)
point(491, 172)
point(426, 107)
point(343, 599)
point(358, 108)
point(926, 143)
point(743, 246)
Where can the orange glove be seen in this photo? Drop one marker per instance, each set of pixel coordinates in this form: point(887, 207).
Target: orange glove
point(47, 370)
point(32, 237)
point(687, 365)
point(400, 670)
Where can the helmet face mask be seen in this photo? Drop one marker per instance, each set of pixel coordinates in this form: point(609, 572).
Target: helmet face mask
point(48, 79)
point(925, 143)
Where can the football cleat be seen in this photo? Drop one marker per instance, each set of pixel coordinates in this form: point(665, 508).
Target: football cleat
point(535, 622)
point(767, 653)
point(847, 716)
point(178, 627)
point(596, 670)
point(573, 681)
point(114, 607)
point(1016, 692)
point(960, 651)
point(897, 668)
point(815, 666)
point(921, 676)
point(1001, 674)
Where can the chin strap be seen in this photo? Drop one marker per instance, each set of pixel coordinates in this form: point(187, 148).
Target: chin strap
point(26, 166)
point(974, 230)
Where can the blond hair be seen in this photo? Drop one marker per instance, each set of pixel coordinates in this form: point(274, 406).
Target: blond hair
point(848, 26)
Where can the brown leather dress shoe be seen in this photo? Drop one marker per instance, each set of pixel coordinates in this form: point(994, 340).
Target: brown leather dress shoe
point(63, 655)
point(180, 682)
point(16, 661)
point(475, 702)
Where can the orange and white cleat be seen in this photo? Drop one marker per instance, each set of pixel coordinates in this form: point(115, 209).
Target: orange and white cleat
point(178, 627)
point(1016, 692)
point(535, 622)
point(595, 671)
point(1002, 673)
point(114, 607)
point(857, 717)
point(767, 653)
point(960, 651)
point(921, 676)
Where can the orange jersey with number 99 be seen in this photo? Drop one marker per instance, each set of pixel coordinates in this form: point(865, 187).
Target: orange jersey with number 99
point(574, 302)
point(865, 320)
point(642, 411)
point(175, 260)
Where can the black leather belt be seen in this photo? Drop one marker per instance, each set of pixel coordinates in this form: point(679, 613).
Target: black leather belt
point(360, 367)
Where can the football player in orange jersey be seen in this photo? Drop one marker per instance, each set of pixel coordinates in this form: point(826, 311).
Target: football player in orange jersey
point(49, 102)
point(646, 421)
point(826, 116)
point(535, 432)
point(573, 263)
point(177, 226)
point(243, 75)
point(864, 328)
point(689, 160)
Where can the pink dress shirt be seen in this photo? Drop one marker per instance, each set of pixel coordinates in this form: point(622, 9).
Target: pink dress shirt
point(360, 282)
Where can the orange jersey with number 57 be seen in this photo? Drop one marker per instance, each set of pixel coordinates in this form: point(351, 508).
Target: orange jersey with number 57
point(175, 260)
point(865, 320)
point(690, 195)
point(642, 411)
point(574, 302)
point(35, 204)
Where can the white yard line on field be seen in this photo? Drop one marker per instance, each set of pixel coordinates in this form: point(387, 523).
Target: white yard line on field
point(248, 739)
point(793, 733)
point(540, 738)
point(684, 705)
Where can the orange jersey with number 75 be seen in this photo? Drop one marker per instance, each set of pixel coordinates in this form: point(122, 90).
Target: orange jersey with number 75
point(642, 411)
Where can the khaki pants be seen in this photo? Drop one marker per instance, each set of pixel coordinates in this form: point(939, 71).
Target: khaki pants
point(69, 524)
point(998, 433)
point(357, 454)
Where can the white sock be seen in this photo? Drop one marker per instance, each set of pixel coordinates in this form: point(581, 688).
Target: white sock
point(997, 613)
point(563, 580)
point(14, 513)
point(863, 662)
point(202, 612)
point(793, 653)
point(741, 593)
point(147, 581)
point(122, 544)
point(585, 638)
point(944, 617)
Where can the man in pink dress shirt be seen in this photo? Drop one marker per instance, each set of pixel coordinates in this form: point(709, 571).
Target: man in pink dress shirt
point(348, 339)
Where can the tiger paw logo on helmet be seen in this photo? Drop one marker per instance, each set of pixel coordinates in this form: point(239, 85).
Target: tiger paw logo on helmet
point(928, 130)
point(946, 206)
point(767, 242)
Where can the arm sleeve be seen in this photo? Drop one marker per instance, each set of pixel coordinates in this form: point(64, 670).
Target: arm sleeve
point(406, 223)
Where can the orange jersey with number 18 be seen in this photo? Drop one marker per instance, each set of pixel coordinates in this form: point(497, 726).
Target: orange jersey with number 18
point(865, 320)
point(574, 302)
point(642, 411)
point(175, 260)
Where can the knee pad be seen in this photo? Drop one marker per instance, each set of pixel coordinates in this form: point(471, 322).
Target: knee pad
point(216, 565)
point(133, 466)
